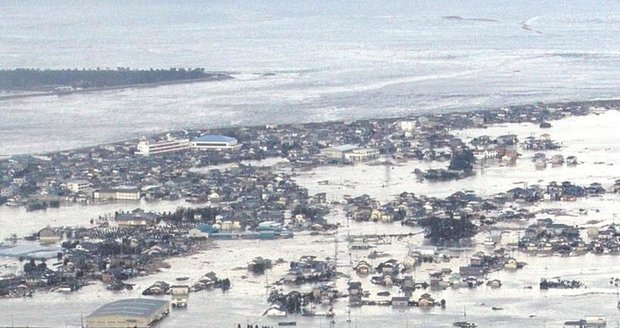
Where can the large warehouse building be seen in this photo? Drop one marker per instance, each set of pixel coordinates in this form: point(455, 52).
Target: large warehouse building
point(215, 142)
point(128, 313)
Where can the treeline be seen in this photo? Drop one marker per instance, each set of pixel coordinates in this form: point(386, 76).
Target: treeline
point(447, 231)
point(206, 214)
point(29, 79)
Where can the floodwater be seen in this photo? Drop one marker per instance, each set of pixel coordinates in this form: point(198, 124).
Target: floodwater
point(299, 61)
point(592, 139)
point(247, 298)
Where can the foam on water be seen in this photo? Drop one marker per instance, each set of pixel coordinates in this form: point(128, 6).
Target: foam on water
point(342, 60)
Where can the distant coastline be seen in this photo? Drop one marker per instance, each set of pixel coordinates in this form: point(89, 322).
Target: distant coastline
point(27, 83)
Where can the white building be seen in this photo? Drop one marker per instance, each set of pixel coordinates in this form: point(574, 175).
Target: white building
point(147, 148)
point(215, 142)
point(180, 295)
point(77, 185)
point(337, 152)
point(361, 154)
point(485, 153)
point(408, 126)
point(120, 193)
point(350, 153)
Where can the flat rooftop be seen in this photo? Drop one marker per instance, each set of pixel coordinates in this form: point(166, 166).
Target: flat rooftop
point(132, 307)
point(214, 138)
point(345, 148)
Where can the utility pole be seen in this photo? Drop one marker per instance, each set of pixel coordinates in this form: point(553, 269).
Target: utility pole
point(336, 250)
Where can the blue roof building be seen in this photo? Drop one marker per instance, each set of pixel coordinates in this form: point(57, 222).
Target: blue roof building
point(215, 142)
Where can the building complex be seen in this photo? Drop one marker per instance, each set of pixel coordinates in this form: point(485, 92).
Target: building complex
point(205, 142)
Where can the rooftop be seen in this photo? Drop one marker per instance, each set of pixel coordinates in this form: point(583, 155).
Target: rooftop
point(214, 138)
point(132, 307)
point(345, 148)
point(137, 215)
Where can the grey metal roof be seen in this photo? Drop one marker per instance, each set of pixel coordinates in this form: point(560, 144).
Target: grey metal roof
point(132, 307)
point(214, 138)
point(136, 216)
point(345, 148)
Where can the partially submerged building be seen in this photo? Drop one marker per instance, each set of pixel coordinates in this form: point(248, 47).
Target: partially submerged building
point(180, 295)
point(351, 153)
point(137, 218)
point(133, 312)
point(118, 193)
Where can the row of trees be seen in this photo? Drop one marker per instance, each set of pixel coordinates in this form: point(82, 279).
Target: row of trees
point(447, 231)
point(463, 161)
point(207, 214)
point(28, 79)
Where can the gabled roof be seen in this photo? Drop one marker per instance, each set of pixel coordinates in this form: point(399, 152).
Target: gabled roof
point(136, 215)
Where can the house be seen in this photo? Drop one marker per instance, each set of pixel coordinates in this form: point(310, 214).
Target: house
point(486, 153)
point(400, 301)
point(196, 233)
point(180, 295)
point(471, 271)
point(595, 321)
point(511, 264)
point(137, 218)
point(557, 159)
point(355, 293)
point(557, 228)
point(407, 285)
point(49, 235)
point(495, 283)
point(362, 268)
point(275, 311)
point(426, 300)
point(355, 287)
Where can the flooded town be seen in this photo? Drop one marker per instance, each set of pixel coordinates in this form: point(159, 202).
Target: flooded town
point(314, 164)
point(493, 218)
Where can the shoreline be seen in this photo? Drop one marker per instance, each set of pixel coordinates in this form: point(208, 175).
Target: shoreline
point(590, 103)
point(215, 78)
